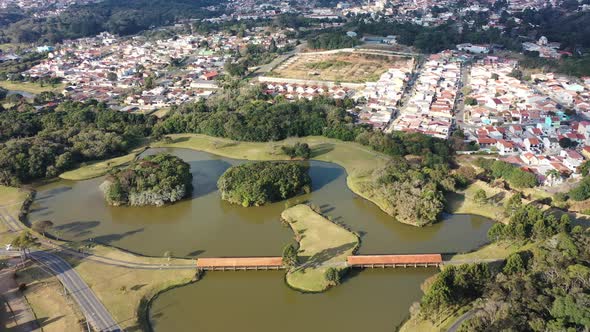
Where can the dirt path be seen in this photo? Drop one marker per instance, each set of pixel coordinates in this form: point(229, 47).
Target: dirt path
point(16, 310)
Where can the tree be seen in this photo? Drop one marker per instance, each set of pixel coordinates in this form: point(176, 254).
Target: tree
point(333, 276)
point(514, 264)
point(41, 226)
point(470, 101)
point(480, 197)
point(24, 241)
point(514, 203)
point(150, 82)
point(567, 143)
point(496, 232)
point(273, 46)
point(112, 76)
point(290, 255)
point(553, 175)
point(300, 150)
point(581, 191)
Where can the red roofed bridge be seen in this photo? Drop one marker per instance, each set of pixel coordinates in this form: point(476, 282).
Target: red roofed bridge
point(240, 263)
point(361, 261)
point(383, 261)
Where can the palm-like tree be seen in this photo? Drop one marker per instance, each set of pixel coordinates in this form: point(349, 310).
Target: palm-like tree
point(553, 174)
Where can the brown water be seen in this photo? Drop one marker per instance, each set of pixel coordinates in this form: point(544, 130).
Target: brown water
point(206, 226)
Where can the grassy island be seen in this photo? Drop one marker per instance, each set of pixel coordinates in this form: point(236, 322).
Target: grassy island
point(323, 248)
point(153, 180)
point(263, 182)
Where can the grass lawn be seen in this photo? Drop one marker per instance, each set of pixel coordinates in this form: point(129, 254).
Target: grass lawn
point(125, 291)
point(496, 250)
point(30, 87)
point(463, 203)
point(358, 161)
point(54, 311)
point(322, 244)
point(10, 203)
point(97, 169)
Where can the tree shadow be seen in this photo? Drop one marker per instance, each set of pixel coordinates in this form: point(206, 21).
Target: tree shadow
point(180, 140)
point(497, 198)
point(138, 287)
point(77, 228)
point(324, 173)
point(321, 149)
point(52, 192)
point(107, 239)
point(46, 320)
point(196, 253)
point(323, 256)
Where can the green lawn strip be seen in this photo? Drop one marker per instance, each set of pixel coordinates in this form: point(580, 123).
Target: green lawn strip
point(10, 202)
point(494, 250)
point(322, 244)
point(359, 161)
point(100, 168)
point(30, 87)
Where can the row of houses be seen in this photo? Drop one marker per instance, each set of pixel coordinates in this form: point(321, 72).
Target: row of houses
point(430, 108)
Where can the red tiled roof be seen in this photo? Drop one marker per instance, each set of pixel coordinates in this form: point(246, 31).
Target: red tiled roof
point(395, 259)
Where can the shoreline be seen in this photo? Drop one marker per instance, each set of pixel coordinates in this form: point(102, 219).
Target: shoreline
point(358, 161)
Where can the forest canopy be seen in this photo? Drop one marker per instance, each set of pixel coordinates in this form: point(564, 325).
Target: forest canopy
point(154, 180)
point(264, 182)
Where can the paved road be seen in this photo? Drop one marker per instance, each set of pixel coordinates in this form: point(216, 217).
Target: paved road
point(93, 309)
point(461, 319)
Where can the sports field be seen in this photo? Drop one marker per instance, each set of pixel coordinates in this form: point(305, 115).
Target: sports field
point(353, 67)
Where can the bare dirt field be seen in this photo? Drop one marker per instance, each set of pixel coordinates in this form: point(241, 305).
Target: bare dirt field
point(353, 67)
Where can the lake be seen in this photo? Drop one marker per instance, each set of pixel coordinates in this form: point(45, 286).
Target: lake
point(206, 226)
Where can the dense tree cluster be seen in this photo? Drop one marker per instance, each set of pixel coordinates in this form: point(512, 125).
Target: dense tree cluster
point(454, 286)
point(117, 17)
point(581, 192)
point(542, 289)
point(414, 191)
point(515, 176)
point(298, 150)
point(546, 289)
point(529, 222)
point(332, 41)
point(35, 145)
point(263, 182)
point(154, 180)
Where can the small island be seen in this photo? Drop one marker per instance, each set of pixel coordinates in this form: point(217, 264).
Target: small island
point(319, 261)
point(258, 183)
point(154, 180)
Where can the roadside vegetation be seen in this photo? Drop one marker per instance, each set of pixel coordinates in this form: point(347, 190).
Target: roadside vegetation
point(259, 183)
point(153, 180)
point(322, 250)
point(540, 277)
